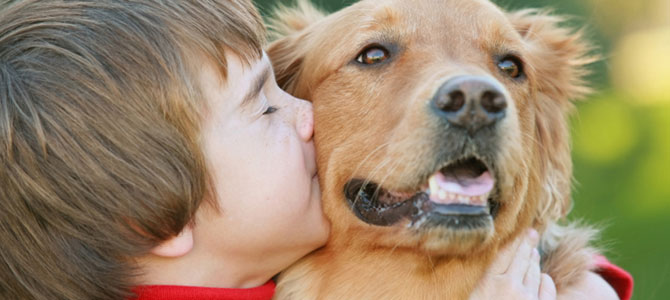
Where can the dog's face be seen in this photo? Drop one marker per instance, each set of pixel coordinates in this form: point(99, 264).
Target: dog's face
point(440, 124)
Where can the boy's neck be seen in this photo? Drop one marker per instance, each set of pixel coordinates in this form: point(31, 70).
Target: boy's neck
point(195, 269)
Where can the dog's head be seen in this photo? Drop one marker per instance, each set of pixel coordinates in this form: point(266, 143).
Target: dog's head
point(440, 124)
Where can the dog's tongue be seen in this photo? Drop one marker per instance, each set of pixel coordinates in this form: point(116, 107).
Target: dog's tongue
point(460, 188)
point(467, 186)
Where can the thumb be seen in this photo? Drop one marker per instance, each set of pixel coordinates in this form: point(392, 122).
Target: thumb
point(547, 288)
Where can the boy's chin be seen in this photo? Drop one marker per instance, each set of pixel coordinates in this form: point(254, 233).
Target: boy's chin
point(315, 233)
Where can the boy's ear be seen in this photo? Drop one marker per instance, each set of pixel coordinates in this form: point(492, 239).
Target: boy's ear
point(290, 38)
point(176, 246)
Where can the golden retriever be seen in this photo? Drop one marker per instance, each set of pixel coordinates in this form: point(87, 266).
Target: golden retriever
point(441, 135)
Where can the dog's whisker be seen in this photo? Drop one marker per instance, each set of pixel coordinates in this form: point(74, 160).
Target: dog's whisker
point(367, 180)
point(393, 168)
point(389, 172)
point(367, 157)
point(398, 242)
point(362, 163)
point(378, 168)
point(531, 138)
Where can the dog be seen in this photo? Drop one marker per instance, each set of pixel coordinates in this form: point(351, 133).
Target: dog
point(441, 134)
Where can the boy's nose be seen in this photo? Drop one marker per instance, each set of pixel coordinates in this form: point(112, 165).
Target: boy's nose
point(305, 120)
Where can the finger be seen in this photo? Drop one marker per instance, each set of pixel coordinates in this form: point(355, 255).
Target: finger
point(547, 288)
point(522, 257)
point(533, 276)
point(505, 256)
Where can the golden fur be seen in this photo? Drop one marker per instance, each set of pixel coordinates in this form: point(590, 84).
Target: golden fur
point(372, 122)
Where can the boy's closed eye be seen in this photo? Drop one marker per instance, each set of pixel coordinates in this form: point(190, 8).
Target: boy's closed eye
point(270, 110)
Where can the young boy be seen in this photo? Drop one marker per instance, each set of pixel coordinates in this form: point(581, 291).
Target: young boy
point(146, 151)
point(138, 132)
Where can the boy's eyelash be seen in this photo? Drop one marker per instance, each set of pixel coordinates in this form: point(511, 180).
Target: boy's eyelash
point(270, 110)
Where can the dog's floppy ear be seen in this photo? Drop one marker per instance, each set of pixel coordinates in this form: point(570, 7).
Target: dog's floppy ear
point(287, 20)
point(289, 41)
point(557, 56)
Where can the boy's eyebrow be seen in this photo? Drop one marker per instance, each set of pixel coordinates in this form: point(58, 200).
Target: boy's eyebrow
point(256, 86)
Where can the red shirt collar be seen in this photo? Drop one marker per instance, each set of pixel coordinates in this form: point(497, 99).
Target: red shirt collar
point(618, 278)
point(178, 292)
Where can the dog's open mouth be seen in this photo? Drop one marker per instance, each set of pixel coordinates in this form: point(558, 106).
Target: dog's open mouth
point(461, 194)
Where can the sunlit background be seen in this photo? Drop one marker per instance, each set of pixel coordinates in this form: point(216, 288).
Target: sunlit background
point(621, 133)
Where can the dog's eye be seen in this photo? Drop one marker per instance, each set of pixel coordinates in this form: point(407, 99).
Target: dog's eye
point(511, 66)
point(372, 55)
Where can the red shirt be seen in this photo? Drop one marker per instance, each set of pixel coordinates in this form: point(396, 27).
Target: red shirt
point(618, 278)
point(621, 281)
point(178, 292)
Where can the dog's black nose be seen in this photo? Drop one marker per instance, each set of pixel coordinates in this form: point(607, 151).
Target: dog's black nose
point(471, 102)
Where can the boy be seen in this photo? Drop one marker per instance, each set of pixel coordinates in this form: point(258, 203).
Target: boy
point(113, 118)
point(147, 152)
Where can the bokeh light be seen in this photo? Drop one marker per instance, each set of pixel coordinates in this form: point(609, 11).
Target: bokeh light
point(641, 65)
point(605, 130)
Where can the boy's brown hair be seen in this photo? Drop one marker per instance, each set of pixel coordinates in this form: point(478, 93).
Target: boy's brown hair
point(99, 153)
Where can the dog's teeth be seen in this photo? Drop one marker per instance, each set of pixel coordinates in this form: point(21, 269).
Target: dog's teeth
point(440, 195)
point(433, 187)
point(463, 199)
point(451, 196)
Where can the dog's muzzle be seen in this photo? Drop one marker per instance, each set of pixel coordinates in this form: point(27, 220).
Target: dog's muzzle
point(462, 192)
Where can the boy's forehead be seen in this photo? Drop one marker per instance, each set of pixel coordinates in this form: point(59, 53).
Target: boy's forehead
point(242, 83)
point(251, 78)
point(256, 66)
point(259, 78)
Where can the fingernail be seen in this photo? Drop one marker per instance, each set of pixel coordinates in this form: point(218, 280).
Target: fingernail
point(533, 235)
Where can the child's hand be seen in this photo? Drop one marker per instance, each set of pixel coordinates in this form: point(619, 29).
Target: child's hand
point(515, 274)
point(590, 287)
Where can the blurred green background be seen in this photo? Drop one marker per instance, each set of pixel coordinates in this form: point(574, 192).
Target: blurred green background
point(621, 147)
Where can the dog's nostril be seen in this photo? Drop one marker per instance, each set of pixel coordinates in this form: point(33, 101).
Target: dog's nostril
point(451, 102)
point(457, 100)
point(493, 102)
